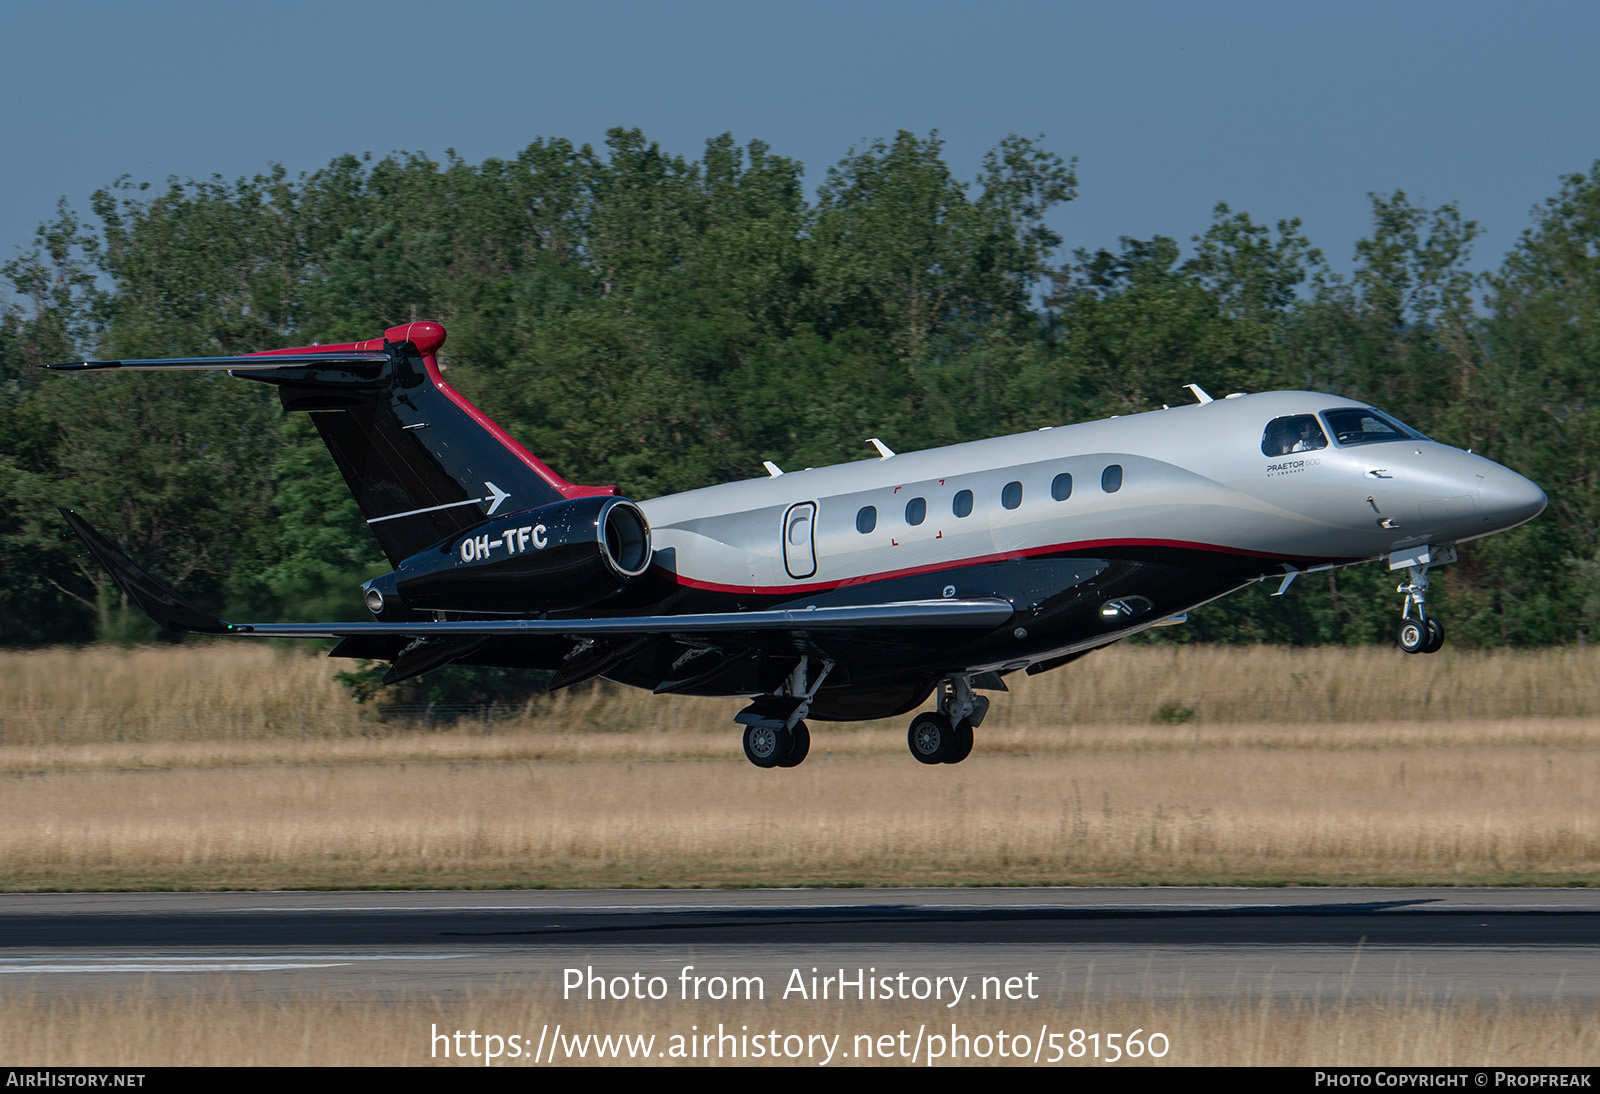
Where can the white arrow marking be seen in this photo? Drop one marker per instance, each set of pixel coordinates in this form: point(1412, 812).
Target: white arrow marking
point(495, 495)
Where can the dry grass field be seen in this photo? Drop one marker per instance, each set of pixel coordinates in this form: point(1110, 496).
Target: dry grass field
point(1495, 806)
point(272, 778)
point(250, 691)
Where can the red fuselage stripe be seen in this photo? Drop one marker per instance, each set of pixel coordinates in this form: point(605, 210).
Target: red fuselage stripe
point(1057, 548)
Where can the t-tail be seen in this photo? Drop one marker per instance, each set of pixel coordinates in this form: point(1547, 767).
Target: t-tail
point(423, 463)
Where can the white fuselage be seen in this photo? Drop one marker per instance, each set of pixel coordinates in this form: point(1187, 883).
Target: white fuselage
point(1191, 477)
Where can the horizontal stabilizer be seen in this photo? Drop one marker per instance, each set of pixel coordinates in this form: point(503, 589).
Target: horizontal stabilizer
point(154, 597)
point(232, 364)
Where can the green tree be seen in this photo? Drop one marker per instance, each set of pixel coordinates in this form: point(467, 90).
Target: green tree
point(900, 247)
point(1402, 330)
point(1540, 413)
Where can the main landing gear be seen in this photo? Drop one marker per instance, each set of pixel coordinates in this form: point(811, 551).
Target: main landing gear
point(776, 746)
point(1418, 633)
point(945, 736)
point(775, 734)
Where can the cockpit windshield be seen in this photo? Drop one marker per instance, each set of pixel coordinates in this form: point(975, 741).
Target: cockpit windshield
point(1367, 426)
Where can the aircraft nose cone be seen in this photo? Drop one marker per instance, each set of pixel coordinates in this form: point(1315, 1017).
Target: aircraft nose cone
point(1508, 499)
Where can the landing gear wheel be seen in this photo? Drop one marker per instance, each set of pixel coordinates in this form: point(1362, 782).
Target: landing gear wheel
point(1413, 635)
point(960, 743)
point(1435, 637)
point(766, 746)
point(800, 745)
point(930, 738)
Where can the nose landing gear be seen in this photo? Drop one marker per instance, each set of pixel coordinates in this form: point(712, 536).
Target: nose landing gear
point(945, 736)
point(1418, 633)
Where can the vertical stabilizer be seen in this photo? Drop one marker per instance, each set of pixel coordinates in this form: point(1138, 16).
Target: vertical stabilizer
point(422, 461)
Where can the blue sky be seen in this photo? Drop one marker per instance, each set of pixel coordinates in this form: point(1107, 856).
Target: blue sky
point(1281, 109)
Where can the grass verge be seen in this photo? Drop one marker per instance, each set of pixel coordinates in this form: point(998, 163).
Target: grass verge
point(607, 787)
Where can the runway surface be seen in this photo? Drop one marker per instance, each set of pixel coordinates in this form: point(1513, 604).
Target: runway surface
point(1534, 944)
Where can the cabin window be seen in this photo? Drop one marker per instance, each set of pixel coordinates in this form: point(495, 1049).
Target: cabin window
point(916, 511)
point(1011, 496)
point(1294, 433)
point(1061, 487)
point(867, 519)
point(1367, 426)
point(962, 505)
point(1111, 478)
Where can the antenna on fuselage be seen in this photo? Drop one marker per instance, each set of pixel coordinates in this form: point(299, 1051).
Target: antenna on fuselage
point(772, 469)
point(1199, 393)
point(884, 451)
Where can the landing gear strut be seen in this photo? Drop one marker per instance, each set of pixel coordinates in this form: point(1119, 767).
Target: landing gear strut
point(1418, 633)
point(945, 736)
point(775, 734)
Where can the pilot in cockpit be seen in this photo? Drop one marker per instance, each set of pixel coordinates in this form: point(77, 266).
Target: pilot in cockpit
point(1307, 437)
point(1297, 433)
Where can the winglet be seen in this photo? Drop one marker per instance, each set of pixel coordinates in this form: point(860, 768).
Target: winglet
point(154, 597)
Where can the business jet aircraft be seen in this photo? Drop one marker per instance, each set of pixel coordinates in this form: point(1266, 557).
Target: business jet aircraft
point(852, 591)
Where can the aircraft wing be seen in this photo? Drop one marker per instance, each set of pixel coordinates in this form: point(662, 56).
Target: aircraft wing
point(170, 610)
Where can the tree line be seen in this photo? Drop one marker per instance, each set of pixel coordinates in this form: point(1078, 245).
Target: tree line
point(661, 323)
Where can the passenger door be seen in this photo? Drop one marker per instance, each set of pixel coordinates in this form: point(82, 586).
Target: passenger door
point(800, 539)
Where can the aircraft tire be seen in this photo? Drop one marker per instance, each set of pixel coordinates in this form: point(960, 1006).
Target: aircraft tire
point(799, 746)
point(1413, 635)
point(766, 746)
point(930, 737)
point(961, 743)
point(1435, 640)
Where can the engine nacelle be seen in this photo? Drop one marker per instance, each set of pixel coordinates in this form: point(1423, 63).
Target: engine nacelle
point(568, 554)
